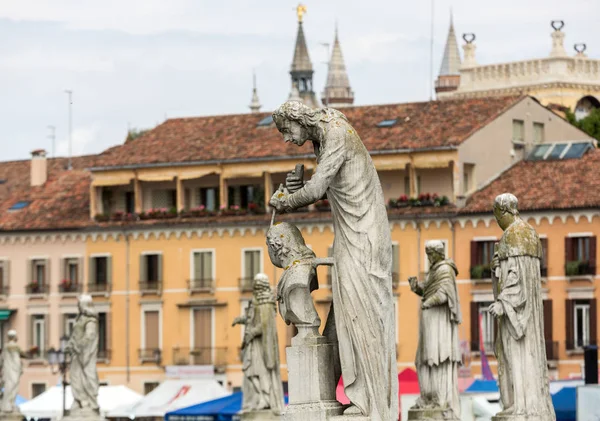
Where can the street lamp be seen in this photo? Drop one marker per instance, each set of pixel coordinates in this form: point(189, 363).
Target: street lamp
point(59, 361)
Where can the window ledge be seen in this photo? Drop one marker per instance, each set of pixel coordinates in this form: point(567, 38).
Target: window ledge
point(38, 361)
point(578, 351)
point(572, 278)
point(482, 281)
point(99, 294)
point(41, 296)
point(201, 290)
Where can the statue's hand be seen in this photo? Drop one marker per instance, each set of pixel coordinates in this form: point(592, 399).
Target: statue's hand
point(496, 309)
point(426, 304)
point(293, 182)
point(279, 200)
point(412, 281)
point(240, 320)
point(495, 262)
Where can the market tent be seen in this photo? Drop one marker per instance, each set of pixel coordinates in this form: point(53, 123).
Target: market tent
point(49, 404)
point(483, 386)
point(222, 409)
point(171, 395)
point(565, 404)
point(408, 384)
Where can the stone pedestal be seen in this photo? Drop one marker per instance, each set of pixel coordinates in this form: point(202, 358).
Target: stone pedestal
point(265, 415)
point(11, 417)
point(520, 418)
point(311, 380)
point(431, 415)
point(350, 418)
point(83, 415)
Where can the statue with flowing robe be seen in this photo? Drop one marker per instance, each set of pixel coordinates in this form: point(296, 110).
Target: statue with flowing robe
point(438, 352)
point(520, 345)
point(262, 387)
point(12, 369)
point(362, 251)
point(83, 349)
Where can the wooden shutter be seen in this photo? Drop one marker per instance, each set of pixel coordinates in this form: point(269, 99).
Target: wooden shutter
point(207, 265)
point(474, 248)
point(544, 242)
point(197, 265)
point(395, 258)
point(152, 330)
point(203, 328)
point(63, 269)
point(48, 280)
point(108, 330)
point(92, 270)
point(80, 271)
point(29, 271)
point(109, 278)
point(255, 262)
point(159, 264)
point(593, 254)
point(46, 333)
point(247, 265)
point(569, 257)
point(143, 269)
point(593, 322)
point(31, 332)
point(570, 340)
point(6, 274)
point(548, 320)
point(474, 326)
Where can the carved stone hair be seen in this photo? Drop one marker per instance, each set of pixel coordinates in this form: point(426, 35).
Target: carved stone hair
point(289, 238)
point(86, 305)
point(262, 289)
point(304, 115)
point(507, 202)
point(436, 246)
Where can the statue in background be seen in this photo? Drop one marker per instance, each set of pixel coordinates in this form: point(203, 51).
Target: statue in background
point(262, 385)
point(83, 349)
point(12, 369)
point(438, 351)
point(520, 346)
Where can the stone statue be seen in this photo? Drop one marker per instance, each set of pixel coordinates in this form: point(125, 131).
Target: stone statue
point(362, 251)
point(12, 370)
point(520, 347)
point(262, 386)
point(438, 352)
point(83, 349)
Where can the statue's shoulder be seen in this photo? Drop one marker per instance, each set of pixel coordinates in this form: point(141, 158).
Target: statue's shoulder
point(519, 239)
point(447, 267)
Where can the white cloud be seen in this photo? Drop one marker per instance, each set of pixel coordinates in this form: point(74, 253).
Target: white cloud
point(84, 139)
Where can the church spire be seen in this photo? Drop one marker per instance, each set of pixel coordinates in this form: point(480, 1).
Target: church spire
point(449, 77)
point(302, 70)
point(255, 103)
point(337, 92)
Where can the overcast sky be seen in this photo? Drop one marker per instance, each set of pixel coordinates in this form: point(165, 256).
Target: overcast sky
point(133, 63)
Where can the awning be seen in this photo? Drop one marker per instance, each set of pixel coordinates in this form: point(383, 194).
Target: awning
point(5, 314)
point(157, 177)
point(112, 180)
point(201, 303)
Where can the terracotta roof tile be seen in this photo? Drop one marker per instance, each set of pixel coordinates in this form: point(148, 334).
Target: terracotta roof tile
point(237, 137)
point(545, 185)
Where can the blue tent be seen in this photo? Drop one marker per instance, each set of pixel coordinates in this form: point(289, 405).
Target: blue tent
point(483, 386)
point(565, 404)
point(222, 409)
point(19, 400)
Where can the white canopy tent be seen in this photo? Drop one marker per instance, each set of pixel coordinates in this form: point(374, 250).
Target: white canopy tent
point(171, 395)
point(49, 404)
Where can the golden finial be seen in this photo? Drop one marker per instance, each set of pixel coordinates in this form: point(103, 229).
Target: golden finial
point(300, 10)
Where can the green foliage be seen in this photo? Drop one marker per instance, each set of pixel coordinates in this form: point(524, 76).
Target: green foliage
point(481, 272)
point(590, 124)
point(134, 134)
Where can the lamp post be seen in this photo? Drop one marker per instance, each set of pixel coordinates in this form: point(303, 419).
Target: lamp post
point(59, 361)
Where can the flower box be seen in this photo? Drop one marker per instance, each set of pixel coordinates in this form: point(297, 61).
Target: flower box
point(103, 217)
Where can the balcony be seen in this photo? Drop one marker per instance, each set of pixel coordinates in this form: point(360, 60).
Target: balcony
point(150, 287)
point(69, 287)
point(102, 288)
point(37, 289)
point(153, 355)
point(246, 284)
point(580, 269)
point(200, 356)
point(104, 355)
point(201, 285)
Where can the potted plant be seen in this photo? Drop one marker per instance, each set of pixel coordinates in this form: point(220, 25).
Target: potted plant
point(65, 285)
point(481, 272)
point(392, 203)
point(33, 287)
point(117, 216)
point(425, 199)
point(255, 208)
point(34, 352)
point(402, 201)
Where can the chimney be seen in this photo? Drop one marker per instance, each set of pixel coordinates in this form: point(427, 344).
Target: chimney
point(39, 168)
point(469, 48)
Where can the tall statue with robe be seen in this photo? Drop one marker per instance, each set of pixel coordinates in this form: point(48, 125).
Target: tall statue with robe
point(262, 387)
point(520, 345)
point(362, 251)
point(438, 351)
point(12, 369)
point(83, 349)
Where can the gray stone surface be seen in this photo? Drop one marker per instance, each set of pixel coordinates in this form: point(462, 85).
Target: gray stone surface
point(520, 350)
point(12, 369)
point(362, 252)
point(85, 414)
point(431, 415)
point(264, 415)
point(438, 350)
point(260, 351)
point(11, 417)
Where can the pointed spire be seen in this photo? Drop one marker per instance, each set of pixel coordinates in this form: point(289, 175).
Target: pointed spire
point(302, 70)
point(337, 92)
point(294, 93)
point(449, 76)
point(255, 103)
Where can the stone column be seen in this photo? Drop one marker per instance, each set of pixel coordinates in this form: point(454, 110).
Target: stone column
point(180, 194)
point(93, 201)
point(223, 197)
point(137, 194)
point(268, 182)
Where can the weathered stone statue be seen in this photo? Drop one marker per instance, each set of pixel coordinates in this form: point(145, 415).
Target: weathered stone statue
point(263, 390)
point(362, 289)
point(438, 352)
point(520, 346)
point(83, 349)
point(12, 369)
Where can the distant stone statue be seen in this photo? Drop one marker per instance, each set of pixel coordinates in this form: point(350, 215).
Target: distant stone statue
point(520, 346)
point(83, 349)
point(362, 251)
point(438, 352)
point(262, 385)
point(12, 369)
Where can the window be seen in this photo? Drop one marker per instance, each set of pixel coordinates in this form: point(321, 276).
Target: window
point(37, 389)
point(387, 123)
point(209, 198)
point(4, 276)
point(20, 205)
point(202, 339)
point(484, 330)
point(68, 323)
point(538, 132)
point(129, 202)
point(151, 268)
point(39, 276)
point(544, 262)
point(164, 198)
point(107, 201)
point(149, 387)
point(252, 264)
point(581, 329)
point(242, 196)
point(70, 274)
point(202, 270)
point(38, 337)
point(482, 253)
point(102, 335)
point(100, 270)
point(518, 131)
point(150, 335)
point(395, 265)
point(580, 255)
point(468, 177)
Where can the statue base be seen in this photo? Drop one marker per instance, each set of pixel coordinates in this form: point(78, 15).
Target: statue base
point(431, 415)
point(350, 418)
point(14, 416)
point(521, 418)
point(265, 415)
point(311, 380)
point(83, 415)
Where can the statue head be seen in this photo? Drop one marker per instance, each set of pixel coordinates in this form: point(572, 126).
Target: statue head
point(12, 335)
point(285, 244)
point(505, 209)
point(294, 121)
point(262, 289)
point(86, 305)
point(435, 251)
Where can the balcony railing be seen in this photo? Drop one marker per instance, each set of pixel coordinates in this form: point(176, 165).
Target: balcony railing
point(579, 268)
point(4, 290)
point(69, 288)
point(481, 272)
point(201, 285)
point(551, 350)
point(150, 287)
point(34, 288)
point(200, 356)
point(246, 284)
point(104, 354)
point(99, 288)
point(150, 355)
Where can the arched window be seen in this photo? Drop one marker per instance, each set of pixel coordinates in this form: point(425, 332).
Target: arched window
point(585, 105)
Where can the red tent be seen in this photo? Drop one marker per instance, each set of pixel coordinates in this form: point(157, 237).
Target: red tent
point(408, 384)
